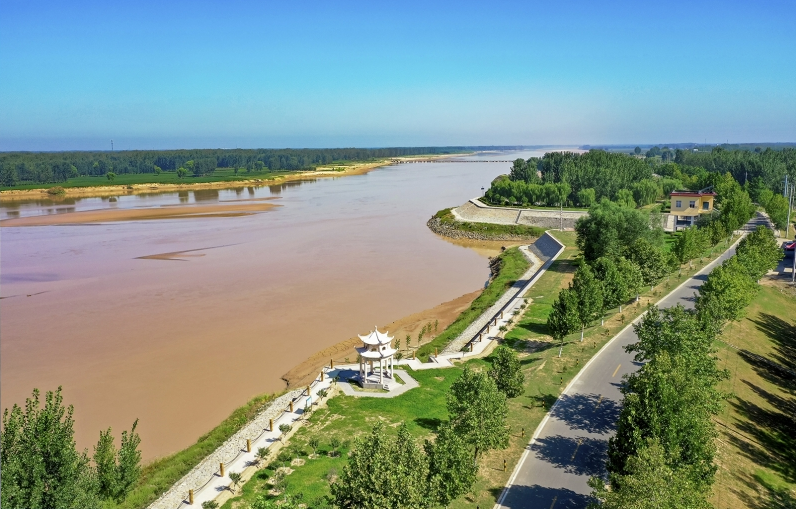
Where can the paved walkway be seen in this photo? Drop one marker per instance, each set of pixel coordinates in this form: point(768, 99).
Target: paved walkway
point(396, 389)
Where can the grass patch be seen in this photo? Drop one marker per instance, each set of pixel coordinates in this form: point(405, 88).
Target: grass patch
point(487, 229)
point(157, 477)
point(757, 444)
point(513, 265)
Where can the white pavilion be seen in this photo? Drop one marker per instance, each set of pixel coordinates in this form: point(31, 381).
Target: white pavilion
point(376, 347)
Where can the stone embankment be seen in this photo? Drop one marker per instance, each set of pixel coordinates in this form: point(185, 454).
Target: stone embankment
point(478, 212)
point(227, 452)
point(450, 231)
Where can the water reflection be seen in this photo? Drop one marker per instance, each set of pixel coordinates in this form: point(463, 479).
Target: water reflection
point(205, 195)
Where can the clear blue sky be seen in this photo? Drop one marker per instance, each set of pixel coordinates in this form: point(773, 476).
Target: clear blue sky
point(181, 74)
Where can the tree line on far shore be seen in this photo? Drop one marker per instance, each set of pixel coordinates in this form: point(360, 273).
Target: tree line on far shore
point(42, 468)
point(54, 167)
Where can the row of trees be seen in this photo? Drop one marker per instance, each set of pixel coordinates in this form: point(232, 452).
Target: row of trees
point(42, 468)
point(46, 167)
point(663, 451)
point(504, 191)
point(385, 472)
point(606, 173)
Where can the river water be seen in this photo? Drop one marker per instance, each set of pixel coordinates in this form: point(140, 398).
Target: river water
point(179, 341)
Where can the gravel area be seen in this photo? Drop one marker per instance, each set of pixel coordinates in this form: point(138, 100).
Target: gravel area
point(227, 452)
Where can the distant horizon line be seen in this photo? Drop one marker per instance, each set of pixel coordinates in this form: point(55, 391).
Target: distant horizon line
point(465, 147)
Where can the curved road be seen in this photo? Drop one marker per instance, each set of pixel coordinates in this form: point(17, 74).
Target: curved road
point(571, 445)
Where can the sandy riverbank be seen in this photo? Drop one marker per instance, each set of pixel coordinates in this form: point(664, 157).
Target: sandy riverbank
point(344, 351)
point(166, 212)
point(115, 190)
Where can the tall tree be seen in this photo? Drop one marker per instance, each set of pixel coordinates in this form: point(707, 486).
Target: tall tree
point(506, 371)
point(650, 483)
point(383, 473)
point(563, 318)
point(651, 260)
point(41, 468)
point(451, 468)
point(478, 412)
point(758, 252)
point(609, 229)
point(727, 291)
point(589, 293)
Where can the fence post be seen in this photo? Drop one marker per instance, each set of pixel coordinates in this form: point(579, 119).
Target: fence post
point(270, 424)
point(291, 406)
point(331, 364)
point(190, 497)
point(221, 469)
point(248, 445)
point(321, 375)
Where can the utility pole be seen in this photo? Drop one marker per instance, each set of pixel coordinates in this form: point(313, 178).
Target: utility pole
point(111, 145)
point(790, 206)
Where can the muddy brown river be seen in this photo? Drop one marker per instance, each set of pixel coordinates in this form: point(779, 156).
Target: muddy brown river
point(177, 319)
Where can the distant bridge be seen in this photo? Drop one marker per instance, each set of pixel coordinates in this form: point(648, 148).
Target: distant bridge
point(405, 161)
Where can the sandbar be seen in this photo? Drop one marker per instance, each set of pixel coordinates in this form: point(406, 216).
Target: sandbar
point(229, 209)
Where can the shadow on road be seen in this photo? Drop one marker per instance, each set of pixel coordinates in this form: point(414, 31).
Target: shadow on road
point(588, 412)
point(540, 496)
point(580, 456)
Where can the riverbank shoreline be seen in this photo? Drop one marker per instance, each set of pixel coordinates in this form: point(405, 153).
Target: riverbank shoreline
point(156, 187)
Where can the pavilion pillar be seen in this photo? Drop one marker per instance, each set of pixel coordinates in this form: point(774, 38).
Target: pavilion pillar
point(381, 372)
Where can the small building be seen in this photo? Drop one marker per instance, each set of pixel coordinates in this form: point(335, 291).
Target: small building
point(376, 347)
point(687, 206)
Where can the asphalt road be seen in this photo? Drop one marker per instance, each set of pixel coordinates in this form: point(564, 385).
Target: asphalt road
point(572, 445)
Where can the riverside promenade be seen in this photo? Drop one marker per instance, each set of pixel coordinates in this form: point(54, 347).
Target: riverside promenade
point(207, 481)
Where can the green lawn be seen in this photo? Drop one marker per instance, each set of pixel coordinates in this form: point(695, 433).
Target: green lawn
point(757, 443)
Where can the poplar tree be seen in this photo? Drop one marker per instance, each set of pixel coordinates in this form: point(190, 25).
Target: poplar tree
point(451, 469)
point(383, 473)
point(758, 252)
point(563, 319)
point(650, 483)
point(478, 412)
point(41, 467)
point(506, 371)
point(631, 275)
point(588, 290)
point(615, 290)
point(727, 291)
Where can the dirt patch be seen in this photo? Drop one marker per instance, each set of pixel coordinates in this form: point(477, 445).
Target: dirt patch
point(297, 462)
point(445, 314)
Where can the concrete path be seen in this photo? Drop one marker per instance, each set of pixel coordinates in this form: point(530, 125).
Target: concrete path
point(396, 389)
point(571, 443)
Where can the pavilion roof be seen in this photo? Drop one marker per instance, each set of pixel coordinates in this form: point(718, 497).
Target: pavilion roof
point(376, 338)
